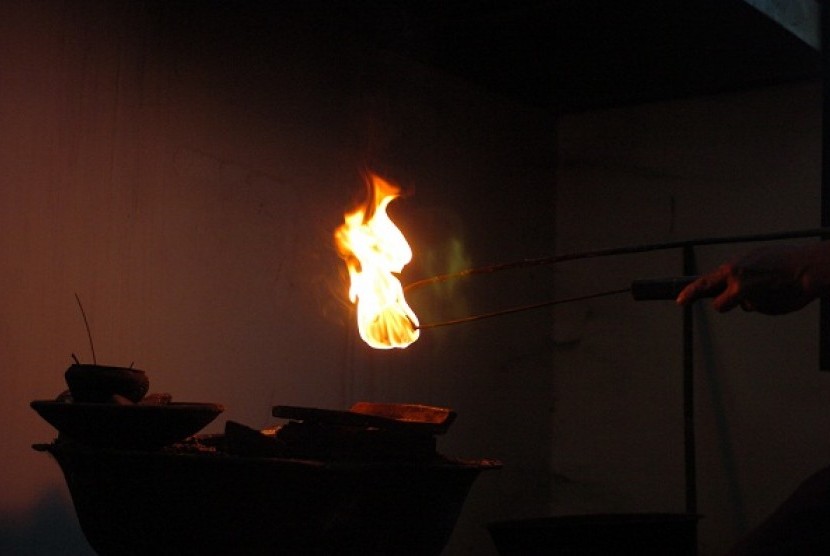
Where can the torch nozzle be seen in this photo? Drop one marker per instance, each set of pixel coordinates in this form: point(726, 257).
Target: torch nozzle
point(660, 288)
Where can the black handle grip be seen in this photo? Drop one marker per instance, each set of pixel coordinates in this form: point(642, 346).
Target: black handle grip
point(659, 288)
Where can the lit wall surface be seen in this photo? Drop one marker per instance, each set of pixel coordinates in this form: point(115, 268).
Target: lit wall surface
point(182, 166)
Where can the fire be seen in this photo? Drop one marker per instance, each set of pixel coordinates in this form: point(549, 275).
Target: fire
point(375, 250)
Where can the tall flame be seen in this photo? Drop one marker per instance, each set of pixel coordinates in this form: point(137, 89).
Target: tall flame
point(375, 250)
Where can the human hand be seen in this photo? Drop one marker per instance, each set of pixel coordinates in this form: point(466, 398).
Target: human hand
point(772, 281)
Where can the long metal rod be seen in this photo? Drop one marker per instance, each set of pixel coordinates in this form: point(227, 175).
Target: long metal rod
point(523, 308)
point(626, 250)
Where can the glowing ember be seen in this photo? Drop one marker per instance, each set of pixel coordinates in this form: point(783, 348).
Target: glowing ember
point(375, 250)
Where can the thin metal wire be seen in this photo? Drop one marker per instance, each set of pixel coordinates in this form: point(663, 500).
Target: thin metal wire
point(523, 308)
point(88, 331)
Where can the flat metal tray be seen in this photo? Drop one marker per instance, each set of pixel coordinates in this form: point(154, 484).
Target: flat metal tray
point(403, 417)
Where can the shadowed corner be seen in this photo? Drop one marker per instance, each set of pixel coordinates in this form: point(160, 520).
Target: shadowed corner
point(49, 528)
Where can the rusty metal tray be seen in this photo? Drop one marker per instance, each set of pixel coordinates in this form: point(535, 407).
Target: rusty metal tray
point(403, 417)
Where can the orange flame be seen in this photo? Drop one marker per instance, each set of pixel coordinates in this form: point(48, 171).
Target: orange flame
point(375, 250)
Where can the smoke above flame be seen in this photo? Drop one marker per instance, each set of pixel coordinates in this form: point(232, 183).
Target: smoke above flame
point(375, 251)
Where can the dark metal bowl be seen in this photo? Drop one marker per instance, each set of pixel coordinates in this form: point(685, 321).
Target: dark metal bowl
point(98, 383)
point(636, 534)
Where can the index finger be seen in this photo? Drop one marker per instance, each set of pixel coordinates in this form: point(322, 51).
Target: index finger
point(708, 285)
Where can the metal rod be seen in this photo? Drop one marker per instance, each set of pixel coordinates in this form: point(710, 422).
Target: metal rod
point(626, 250)
point(690, 269)
point(824, 303)
point(522, 308)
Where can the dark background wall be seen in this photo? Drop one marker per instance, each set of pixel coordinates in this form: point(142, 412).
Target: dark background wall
point(734, 164)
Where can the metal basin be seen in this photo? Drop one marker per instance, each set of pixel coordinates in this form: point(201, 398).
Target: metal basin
point(133, 502)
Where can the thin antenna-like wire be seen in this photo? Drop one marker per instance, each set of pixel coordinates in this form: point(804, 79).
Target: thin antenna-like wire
point(88, 331)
